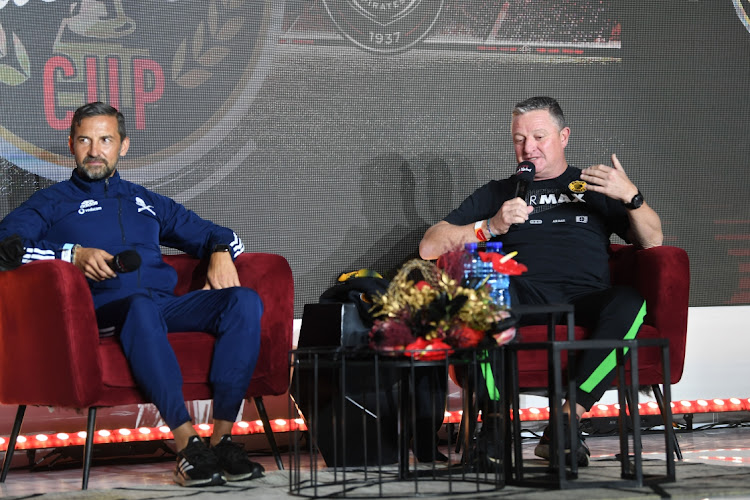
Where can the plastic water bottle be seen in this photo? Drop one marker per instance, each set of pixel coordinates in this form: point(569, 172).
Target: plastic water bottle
point(477, 271)
point(498, 282)
point(470, 265)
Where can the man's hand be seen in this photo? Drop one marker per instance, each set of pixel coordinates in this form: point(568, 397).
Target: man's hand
point(94, 263)
point(610, 181)
point(645, 224)
point(445, 237)
point(222, 272)
point(514, 211)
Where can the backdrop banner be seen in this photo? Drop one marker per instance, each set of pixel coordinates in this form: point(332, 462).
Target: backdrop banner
point(335, 132)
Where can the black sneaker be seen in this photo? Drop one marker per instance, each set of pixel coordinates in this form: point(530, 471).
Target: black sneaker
point(234, 461)
point(542, 449)
point(197, 465)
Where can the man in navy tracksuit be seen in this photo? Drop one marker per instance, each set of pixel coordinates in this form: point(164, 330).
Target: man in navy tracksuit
point(94, 216)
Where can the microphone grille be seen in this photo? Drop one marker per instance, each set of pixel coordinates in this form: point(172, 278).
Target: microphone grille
point(526, 171)
point(129, 260)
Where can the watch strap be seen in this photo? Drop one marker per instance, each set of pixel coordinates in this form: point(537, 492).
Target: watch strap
point(221, 248)
point(635, 202)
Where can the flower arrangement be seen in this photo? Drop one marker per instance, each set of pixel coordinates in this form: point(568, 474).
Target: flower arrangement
point(430, 317)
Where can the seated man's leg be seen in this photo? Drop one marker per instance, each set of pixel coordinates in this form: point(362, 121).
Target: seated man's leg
point(143, 335)
point(522, 292)
point(233, 316)
point(613, 314)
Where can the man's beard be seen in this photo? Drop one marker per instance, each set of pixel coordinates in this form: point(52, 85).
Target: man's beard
point(104, 171)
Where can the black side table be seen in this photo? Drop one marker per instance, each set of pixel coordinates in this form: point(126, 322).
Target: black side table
point(360, 432)
point(556, 474)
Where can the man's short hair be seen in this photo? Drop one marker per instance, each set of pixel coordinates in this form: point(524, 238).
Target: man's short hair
point(98, 109)
point(542, 102)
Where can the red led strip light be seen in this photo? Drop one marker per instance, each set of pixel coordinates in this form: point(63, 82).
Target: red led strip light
point(40, 441)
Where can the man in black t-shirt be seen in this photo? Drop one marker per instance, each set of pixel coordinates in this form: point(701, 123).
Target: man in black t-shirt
point(561, 232)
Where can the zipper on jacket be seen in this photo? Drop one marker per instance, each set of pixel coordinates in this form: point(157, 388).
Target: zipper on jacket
point(122, 231)
point(119, 219)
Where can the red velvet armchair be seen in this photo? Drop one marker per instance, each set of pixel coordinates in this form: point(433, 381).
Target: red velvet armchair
point(662, 276)
point(51, 353)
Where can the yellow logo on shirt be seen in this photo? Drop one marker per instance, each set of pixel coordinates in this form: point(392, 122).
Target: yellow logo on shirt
point(577, 186)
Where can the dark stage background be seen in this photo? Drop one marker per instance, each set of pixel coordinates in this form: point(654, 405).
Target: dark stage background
point(335, 132)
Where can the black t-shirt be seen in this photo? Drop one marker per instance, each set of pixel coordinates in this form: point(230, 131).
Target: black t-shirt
point(567, 235)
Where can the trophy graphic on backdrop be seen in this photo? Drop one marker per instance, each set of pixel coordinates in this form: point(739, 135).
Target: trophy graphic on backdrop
point(97, 19)
point(91, 40)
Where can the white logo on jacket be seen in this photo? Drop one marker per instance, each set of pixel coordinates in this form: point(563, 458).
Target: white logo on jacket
point(88, 206)
point(142, 206)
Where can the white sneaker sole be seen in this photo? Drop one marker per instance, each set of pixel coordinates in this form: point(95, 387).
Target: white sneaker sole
point(216, 480)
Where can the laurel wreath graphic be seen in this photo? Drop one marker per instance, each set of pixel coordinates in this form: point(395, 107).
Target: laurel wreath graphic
point(8, 74)
point(201, 57)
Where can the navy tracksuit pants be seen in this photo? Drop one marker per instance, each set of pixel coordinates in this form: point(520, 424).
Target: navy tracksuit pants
point(142, 321)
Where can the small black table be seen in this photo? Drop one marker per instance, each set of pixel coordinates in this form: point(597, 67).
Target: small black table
point(556, 475)
point(359, 409)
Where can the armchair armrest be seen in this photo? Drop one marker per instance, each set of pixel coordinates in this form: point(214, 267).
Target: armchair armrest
point(48, 336)
point(270, 276)
point(662, 276)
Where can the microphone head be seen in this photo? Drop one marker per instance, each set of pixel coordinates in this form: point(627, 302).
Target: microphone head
point(126, 262)
point(525, 171)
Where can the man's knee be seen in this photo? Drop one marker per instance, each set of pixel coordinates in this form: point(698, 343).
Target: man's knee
point(244, 301)
point(143, 323)
point(136, 314)
point(628, 298)
point(242, 315)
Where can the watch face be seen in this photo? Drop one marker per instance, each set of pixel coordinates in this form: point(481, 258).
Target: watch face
point(636, 202)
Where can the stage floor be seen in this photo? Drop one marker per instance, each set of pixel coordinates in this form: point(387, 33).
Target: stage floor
point(720, 457)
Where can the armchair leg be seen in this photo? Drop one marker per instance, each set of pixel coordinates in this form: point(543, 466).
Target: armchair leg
point(88, 448)
point(660, 401)
point(269, 432)
point(12, 441)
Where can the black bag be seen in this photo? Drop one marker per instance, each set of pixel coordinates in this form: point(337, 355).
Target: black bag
point(358, 291)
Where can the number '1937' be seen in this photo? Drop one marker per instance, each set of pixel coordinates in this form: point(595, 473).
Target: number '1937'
point(384, 38)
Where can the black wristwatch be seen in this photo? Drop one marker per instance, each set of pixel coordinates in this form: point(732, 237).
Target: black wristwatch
point(221, 248)
point(636, 202)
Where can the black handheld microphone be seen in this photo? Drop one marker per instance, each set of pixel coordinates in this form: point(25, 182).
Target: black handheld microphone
point(125, 262)
point(524, 177)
